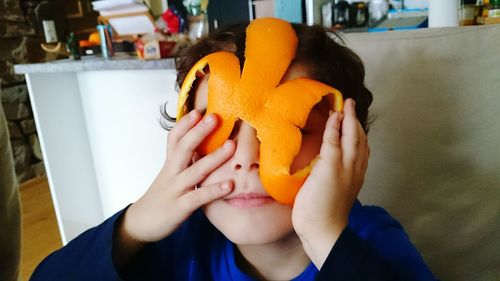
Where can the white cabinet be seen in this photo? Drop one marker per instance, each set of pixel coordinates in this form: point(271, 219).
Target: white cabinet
point(100, 133)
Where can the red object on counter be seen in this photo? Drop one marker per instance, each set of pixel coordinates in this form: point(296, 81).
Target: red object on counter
point(172, 21)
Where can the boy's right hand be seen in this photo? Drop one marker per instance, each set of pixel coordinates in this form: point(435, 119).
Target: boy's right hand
point(172, 197)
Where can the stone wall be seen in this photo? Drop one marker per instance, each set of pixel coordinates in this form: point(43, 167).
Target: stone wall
point(20, 38)
point(21, 34)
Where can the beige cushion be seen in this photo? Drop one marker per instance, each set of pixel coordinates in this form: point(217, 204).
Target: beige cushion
point(435, 142)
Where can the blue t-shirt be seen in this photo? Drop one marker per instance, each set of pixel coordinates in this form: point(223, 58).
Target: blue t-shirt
point(224, 266)
point(374, 246)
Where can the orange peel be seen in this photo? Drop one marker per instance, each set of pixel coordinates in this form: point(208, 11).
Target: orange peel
point(276, 111)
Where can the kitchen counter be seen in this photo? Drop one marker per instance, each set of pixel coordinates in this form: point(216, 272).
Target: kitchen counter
point(98, 124)
point(94, 63)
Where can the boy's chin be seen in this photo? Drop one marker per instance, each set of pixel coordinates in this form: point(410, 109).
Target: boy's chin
point(257, 227)
point(256, 235)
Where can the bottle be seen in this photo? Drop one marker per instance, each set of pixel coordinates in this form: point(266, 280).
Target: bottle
point(72, 47)
point(106, 41)
point(478, 11)
point(359, 14)
point(197, 20)
point(341, 14)
point(443, 13)
point(378, 10)
point(466, 15)
point(486, 7)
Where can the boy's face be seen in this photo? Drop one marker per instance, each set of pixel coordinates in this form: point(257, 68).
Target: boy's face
point(249, 215)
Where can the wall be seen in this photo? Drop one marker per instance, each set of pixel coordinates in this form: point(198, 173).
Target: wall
point(21, 34)
point(20, 43)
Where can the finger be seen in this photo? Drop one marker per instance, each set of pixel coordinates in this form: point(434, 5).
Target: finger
point(353, 136)
point(186, 146)
point(363, 150)
point(362, 161)
point(203, 167)
point(367, 158)
point(196, 198)
point(181, 128)
point(359, 172)
point(330, 148)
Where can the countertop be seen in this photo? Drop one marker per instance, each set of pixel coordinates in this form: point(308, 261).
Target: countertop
point(94, 63)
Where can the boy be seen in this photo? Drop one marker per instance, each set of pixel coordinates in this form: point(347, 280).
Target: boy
point(209, 216)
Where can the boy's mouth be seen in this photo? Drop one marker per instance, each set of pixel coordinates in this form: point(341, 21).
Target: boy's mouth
point(248, 200)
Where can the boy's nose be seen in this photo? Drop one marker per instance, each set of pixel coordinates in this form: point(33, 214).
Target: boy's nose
point(246, 156)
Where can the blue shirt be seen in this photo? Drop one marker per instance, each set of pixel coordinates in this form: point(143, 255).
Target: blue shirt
point(374, 246)
point(226, 268)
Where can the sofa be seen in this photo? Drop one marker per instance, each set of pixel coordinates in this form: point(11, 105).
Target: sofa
point(435, 139)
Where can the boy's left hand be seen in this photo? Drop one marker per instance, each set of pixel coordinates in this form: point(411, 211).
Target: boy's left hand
point(322, 206)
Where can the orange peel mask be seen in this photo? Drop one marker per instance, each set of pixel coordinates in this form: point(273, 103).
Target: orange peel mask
point(254, 95)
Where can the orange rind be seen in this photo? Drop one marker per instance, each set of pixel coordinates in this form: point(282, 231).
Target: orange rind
point(276, 111)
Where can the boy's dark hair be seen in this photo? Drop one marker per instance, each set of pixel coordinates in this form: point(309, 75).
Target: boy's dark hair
point(326, 60)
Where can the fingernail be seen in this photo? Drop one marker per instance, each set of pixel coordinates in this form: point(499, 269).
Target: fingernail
point(209, 119)
point(225, 186)
point(227, 145)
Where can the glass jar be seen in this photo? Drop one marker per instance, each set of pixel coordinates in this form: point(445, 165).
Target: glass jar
point(467, 11)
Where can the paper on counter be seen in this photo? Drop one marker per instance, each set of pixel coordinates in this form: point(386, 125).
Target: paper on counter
point(132, 25)
point(126, 9)
point(112, 4)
